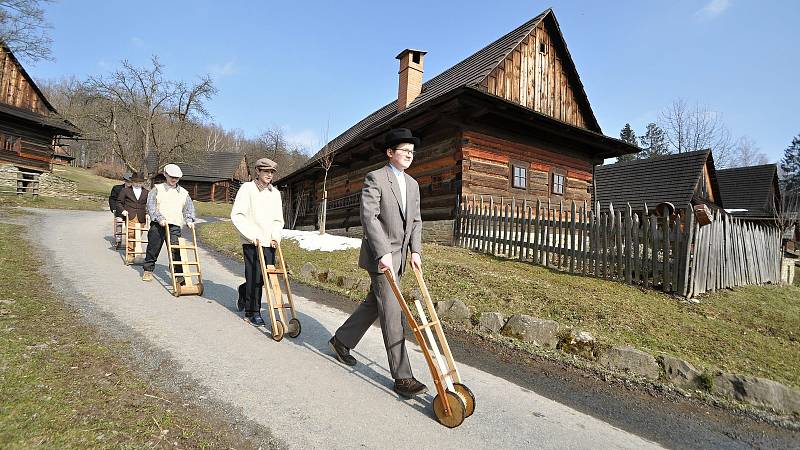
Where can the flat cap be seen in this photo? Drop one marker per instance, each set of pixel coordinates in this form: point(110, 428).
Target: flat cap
point(173, 170)
point(267, 164)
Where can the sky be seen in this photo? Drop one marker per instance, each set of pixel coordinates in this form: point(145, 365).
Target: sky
point(316, 68)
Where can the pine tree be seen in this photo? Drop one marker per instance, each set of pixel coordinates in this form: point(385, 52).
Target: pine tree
point(790, 164)
point(627, 135)
point(653, 143)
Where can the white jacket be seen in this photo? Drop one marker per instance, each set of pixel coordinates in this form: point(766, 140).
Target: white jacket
point(258, 214)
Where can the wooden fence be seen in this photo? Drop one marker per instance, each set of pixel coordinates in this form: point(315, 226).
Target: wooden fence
point(671, 252)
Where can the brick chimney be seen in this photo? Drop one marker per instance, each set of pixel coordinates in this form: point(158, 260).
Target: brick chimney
point(410, 77)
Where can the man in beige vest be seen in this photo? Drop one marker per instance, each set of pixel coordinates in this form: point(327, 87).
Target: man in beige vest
point(170, 208)
point(392, 223)
point(258, 215)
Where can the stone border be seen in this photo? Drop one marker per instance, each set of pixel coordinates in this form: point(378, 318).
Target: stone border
point(627, 361)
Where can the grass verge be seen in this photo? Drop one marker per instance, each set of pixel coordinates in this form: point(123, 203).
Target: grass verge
point(62, 385)
point(751, 330)
point(212, 209)
point(10, 200)
point(87, 181)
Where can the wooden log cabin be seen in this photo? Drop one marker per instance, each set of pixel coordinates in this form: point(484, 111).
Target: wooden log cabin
point(213, 177)
point(512, 120)
point(30, 126)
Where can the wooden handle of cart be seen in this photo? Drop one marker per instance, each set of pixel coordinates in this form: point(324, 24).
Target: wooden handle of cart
point(438, 328)
point(194, 242)
point(286, 279)
point(436, 375)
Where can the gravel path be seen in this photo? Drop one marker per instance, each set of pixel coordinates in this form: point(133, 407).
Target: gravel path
point(295, 388)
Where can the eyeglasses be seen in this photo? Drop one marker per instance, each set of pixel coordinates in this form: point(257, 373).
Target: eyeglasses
point(406, 151)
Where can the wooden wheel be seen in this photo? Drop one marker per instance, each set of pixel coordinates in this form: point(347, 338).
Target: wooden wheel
point(177, 291)
point(200, 288)
point(467, 396)
point(278, 331)
point(457, 410)
point(294, 328)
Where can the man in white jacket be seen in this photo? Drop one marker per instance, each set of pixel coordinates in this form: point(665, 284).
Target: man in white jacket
point(258, 215)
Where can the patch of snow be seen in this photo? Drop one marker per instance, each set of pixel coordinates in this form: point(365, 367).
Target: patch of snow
point(733, 210)
point(312, 240)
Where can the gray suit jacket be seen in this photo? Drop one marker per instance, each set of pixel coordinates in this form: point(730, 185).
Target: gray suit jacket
point(386, 229)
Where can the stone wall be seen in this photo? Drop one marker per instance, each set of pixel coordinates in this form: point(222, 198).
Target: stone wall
point(55, 186)
point(50, 185)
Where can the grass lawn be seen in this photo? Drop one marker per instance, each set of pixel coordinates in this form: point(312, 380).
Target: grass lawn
point(7, 200)
point(86, 179)
point(62, 385)
point(212, 209)
point(752, 330)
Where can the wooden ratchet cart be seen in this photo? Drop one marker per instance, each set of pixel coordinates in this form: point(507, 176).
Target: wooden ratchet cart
point(454, 401)
point(135, 240)
point(272, 290)
point(192, 280)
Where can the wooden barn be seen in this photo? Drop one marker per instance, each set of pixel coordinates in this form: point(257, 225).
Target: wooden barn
point(511, 120)
point(30, 127)
point(214, 177)
point(680, 179)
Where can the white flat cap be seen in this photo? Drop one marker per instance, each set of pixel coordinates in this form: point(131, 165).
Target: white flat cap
point(173, 170)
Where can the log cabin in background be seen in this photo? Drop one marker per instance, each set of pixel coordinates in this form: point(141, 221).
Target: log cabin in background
point(30, 128)
point(677, 180)
point(751, 193)
point(213, 177)
point(512, 121)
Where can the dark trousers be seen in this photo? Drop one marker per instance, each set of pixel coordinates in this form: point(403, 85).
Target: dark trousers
point(380, 304)
point(155, 239)
point(250, 290)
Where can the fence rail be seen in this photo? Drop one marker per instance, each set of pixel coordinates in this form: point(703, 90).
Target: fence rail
point(671, 252)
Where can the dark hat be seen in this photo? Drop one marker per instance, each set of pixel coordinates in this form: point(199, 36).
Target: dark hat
point(137, 177)
point(398, 136)
point(266, 164)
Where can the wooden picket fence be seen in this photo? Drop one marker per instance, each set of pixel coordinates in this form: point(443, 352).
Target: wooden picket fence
point(671, 253)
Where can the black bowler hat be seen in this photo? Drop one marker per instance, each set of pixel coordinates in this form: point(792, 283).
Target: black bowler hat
point(399, 136)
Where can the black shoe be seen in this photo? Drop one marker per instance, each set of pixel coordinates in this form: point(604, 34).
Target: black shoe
point(255, 319)
point(341, 352)
point(409, 387)
point(180, 280)
point(240, 302)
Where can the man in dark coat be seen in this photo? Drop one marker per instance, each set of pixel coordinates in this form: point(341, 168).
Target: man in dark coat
point(132, 202)
point(112, 198)
point(114, 207)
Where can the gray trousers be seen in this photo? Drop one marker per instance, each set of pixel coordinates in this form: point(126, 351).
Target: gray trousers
point(380, 304)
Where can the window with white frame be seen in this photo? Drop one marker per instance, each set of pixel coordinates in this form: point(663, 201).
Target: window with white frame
point(520, 176)
point(558, 183)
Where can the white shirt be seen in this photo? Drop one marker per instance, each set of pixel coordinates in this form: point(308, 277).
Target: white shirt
point(137, 191)
point(401, 182)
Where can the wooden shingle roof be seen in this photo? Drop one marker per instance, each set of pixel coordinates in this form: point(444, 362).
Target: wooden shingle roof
point(212, 166)
point(670, 178)
point(749, 191)
point(469, 73)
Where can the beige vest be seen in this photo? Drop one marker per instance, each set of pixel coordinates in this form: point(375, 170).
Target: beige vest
point(170, 202)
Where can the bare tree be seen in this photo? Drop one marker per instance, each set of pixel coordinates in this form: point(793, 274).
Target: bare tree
point(747, 153)
point(24, 29)
point(142, 113)
point(697, 127)
point(325, 160)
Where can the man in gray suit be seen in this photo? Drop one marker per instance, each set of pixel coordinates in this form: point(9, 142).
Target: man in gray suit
point(392, 224)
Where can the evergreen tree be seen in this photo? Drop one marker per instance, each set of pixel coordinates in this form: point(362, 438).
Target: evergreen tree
point(627, 135)
point(653, 143)
point(790, 164)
